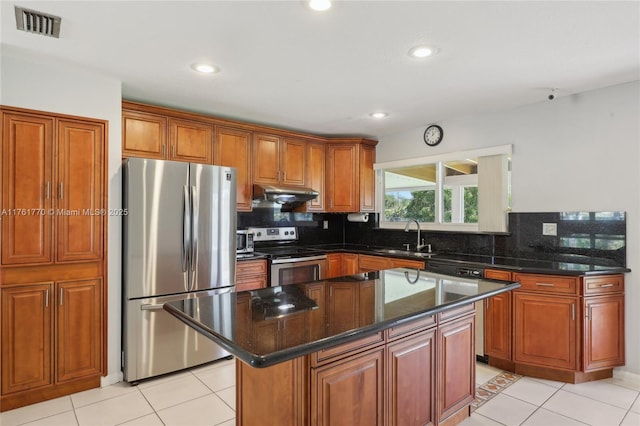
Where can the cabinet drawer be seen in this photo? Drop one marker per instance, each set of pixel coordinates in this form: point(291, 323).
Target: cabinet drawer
point(456, 312)
point(410, 328)
point(496, 274)
point(373, 263)
point(251, 267)
point(603, 284)
point(547, 283)
point(251, 283)
point(337, 352)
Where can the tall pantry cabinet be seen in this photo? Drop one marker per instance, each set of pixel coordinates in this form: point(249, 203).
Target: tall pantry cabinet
point(53, 255)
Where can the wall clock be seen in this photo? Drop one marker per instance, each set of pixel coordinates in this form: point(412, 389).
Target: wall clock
point(433, 135)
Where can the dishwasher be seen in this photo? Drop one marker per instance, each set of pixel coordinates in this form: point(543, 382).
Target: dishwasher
point(460, 269)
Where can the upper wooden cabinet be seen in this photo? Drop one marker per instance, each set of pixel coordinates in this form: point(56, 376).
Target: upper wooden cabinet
point(315, 175)
point(232, 148)
point(350, 178)
point(159, 136)
point(278, 161)
point(53, 185)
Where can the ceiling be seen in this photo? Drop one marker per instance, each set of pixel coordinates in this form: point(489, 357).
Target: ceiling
point(285, 65)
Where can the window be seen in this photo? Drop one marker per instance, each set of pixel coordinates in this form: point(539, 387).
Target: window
point(458, 191)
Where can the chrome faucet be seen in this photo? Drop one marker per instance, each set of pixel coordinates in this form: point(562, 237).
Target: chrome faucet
point(420, 244)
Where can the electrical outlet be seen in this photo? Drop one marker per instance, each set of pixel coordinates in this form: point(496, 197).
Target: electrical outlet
point(550, 229)
point(325, 224)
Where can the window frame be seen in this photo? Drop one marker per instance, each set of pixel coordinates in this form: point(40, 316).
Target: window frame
point(438, 160)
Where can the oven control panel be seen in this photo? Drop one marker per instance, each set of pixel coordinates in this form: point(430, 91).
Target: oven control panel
point(281, 233)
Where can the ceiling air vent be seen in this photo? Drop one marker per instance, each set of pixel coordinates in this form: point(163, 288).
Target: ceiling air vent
point(37, 22)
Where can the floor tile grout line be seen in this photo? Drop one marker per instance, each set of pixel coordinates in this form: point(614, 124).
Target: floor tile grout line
point(597, 400)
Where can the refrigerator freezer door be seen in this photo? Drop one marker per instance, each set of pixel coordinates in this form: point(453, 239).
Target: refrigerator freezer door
point(154, 236)
point(155, 342)
point(213, 196)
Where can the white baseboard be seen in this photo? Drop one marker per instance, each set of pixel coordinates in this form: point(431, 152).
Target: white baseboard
point(626, 376)
point(111, 379)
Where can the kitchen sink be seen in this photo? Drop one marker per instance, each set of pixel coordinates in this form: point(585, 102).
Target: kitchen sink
point(399, 252)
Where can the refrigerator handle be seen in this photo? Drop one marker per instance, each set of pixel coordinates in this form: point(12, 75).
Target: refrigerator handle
point(195, 208)
point(186, 228)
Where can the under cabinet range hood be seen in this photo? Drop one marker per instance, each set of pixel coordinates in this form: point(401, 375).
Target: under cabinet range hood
point(289, 197)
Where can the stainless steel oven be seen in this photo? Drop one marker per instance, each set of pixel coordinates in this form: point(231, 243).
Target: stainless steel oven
point(289, 263)
point(294, 270)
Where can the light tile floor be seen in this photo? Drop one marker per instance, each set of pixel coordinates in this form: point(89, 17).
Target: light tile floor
point(206, 396)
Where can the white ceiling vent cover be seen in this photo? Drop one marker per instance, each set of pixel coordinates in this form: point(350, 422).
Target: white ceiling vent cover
point(37, 22)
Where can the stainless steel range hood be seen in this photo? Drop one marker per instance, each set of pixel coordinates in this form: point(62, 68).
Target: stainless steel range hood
point(288, 197)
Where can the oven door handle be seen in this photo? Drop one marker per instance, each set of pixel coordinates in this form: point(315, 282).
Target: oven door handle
point(298, 259)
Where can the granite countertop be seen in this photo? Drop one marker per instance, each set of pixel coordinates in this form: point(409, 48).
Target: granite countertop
point(272, 325)
point(559, 265)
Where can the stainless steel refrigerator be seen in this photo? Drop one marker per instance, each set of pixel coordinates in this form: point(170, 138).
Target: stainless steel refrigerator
point(178, 244)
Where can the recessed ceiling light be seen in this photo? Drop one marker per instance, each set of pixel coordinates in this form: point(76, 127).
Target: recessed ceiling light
point(379, 115)
point(320, 5)
point(205, 68)
point(422, 51)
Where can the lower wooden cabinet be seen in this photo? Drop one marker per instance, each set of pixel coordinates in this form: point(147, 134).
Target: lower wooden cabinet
point(251, 275)
point(456, 381)
point(602, 348)
point(419, 373)
point(563, 328)
point(410, 377)
point(51, 338)
point(349, 391)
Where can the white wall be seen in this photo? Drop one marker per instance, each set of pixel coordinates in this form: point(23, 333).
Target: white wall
point(576, 153)
point(48, 86)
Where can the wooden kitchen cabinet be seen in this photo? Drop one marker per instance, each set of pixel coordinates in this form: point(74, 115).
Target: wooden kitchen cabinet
point(369, 263)
point(546, 330)
point(190, 141)
point(349, 391)
point(151, 132)
point(350, 304)
point(278, 161)
point(410, 372)
point(315, 176)
point(67, 200)
point(232, 148)
point(144, 135)
point(455, 367)
point(497, 326)
point(31, 337)
point(27, 329)
point(602, 347)
point(341, 264)
point(350, 176)
point(251, 274)
point(53, 255)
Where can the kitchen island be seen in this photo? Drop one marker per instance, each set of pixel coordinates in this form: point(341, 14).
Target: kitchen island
point(386, 347)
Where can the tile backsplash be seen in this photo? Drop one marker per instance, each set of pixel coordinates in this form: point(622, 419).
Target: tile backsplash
point(580, 237)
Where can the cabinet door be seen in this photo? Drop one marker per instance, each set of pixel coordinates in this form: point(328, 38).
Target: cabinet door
point(545, 330)
point(334, 265)
point(80, 191)
point(405, 263)
point(455, 366)
point(315, 175)
point(410, 380)
point(233, 149)
point(292, 162)
point(190, 141)
point(144, 135)
point(26, 189)
point(349, 392)
point(26, 337)
point(342, 306)
point(603, 332)
point(349, 264)
point(342, 178)
point(79, 329)
point(266, 159)
point(497, 326)
point(367, 179)
point(317, 317)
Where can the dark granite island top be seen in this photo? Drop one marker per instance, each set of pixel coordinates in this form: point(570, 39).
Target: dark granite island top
point(266, 327)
